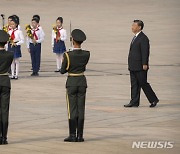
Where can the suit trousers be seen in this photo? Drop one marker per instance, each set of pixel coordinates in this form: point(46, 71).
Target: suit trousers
point(138, 81)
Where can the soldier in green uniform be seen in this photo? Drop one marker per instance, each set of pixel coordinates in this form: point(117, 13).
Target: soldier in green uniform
point(74, 62)
point(6, 59)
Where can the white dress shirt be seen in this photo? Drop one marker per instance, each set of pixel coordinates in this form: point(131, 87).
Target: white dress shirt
point(62, 33)
point(19, 38)
point(41, 30)
point(40, 36)
point(19, 27)
point(138, 33)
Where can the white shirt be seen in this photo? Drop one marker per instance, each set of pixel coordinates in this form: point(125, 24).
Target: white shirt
point(76, 48)
point(19, 38)
point(19, 27)
point(138, 33)
point(41, 30)
point(40, 36)
point(62, 33)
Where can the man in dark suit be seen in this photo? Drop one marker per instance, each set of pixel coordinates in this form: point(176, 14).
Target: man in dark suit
point(74, 63)
point(6, 59)
point(138, 63)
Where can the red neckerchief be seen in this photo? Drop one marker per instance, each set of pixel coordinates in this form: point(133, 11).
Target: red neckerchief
point(13, 35)
point(34, 33)
point(58, 33)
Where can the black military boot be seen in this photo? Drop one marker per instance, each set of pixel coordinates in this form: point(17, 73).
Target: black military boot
point(4, 140)
point(4, 133)
point(72, 132)
point(0, 132)
point(80, 130)
point(0, 140)
point(70, 138)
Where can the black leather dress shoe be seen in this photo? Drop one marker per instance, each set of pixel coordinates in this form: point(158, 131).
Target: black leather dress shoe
point(80, 138)
point(131, 105)
point(0, 140)
point(35, 74)
point(71, 138)
point(154, 103)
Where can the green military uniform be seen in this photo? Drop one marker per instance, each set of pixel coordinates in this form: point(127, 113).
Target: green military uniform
point(6, 59)
point(74, 63)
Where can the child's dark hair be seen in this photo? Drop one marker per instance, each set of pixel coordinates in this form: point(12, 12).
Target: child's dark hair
point(60, 19)
point(36, 16)
point(35, 19)
point(17, 18)
point(10, 17)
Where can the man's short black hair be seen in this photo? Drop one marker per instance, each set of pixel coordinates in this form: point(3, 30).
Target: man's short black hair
point(140, 23)
point(78, 42)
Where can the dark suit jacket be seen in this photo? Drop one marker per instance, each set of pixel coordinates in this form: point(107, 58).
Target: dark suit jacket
point(6, 59)
point(78, 61)
point(139, 53)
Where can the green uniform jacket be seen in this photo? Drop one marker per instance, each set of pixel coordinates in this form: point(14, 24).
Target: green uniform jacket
point(75, 62)
point(6, 59)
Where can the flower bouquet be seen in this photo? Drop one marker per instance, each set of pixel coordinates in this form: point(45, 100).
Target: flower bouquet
point(28, 31)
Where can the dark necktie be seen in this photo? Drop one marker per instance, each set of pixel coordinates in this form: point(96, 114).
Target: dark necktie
point(133, 39)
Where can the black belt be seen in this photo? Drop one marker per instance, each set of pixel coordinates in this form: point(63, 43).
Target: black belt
point(35, 43)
